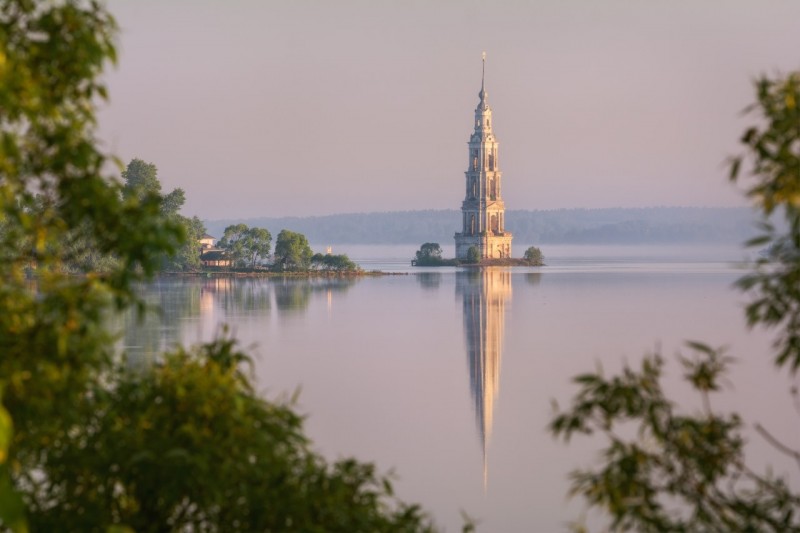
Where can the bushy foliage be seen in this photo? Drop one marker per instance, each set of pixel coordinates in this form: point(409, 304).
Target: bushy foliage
point(86, 444)
point(774, 153)
point(534, 255)
point(54, 193)
point(429, 250)
point(187, 444)
point(292, 251)
point(430, 254)
point(187, 257)
point(473, 255)
point(140, 182)
point(684, 472)
point(245, 246)
point(336, 263)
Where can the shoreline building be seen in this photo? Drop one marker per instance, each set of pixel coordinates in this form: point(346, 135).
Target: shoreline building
point(483, 210)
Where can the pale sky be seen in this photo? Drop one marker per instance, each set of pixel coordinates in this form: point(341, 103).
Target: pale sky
point(293, 107)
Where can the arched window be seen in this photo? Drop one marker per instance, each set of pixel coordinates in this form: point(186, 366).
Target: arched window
point(472, 224)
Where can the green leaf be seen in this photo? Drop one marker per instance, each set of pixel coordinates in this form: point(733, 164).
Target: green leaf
point(758, 241)
point(736, 164)
point(6, 433)
point(12, 508)
point(700, 347)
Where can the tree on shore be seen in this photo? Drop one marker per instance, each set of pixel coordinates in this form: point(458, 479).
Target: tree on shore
point(246, 246)
point(429, 254)
point(337, 263)
point(86, 445)
point(187, 257)
point(140, 179)
point(534, 255)
point(685, 472)
point(473, 255)
point(429, 251)
point(258, 244)
point(292, 251)
point(140, 182)
point(232, 242)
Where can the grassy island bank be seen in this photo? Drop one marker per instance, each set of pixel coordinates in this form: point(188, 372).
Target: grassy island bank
point(504, 262)
point(430, 255)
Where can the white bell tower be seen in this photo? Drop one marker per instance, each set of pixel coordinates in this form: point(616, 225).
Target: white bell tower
point(483, 210)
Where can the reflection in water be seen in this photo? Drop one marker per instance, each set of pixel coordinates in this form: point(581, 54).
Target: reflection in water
point(485, 292)
point(429, 280)
point(254, 296)
point(205, 303)
point(250, 296)
point(169, 303)
point(294, 294)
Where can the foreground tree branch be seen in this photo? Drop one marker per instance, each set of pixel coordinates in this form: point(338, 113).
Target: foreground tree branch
point(687, 473)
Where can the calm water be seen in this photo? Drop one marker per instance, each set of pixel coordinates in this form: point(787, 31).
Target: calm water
point(447, 375)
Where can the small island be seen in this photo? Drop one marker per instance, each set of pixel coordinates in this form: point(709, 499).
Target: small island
point(430, 255)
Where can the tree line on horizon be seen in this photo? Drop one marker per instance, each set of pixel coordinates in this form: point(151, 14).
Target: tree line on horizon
point(652, 225)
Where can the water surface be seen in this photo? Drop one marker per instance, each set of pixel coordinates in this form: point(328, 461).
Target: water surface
point(447, 375)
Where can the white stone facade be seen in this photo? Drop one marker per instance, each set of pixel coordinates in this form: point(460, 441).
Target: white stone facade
point(483, 210)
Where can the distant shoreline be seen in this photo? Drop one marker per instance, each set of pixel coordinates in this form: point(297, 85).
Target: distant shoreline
point(652, 225)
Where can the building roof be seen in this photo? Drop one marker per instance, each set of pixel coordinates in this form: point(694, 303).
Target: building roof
point(213, 255)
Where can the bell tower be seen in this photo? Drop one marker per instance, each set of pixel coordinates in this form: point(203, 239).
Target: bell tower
point(483, 210)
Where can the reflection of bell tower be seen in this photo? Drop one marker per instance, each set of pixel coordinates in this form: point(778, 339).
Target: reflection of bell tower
point(485, 293)
point(483, 210)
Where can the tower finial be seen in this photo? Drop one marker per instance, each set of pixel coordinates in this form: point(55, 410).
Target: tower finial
point(482, 94)
point(483, 69)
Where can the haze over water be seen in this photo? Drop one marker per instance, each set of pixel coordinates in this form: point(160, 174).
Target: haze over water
point(447, 375)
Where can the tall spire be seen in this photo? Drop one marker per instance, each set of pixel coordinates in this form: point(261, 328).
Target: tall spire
point(482, 94)
point(483, 69)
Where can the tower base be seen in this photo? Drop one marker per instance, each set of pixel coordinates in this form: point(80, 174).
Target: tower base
point(489, 245)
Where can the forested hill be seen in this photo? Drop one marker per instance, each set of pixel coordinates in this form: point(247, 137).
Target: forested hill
point(578, 226)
